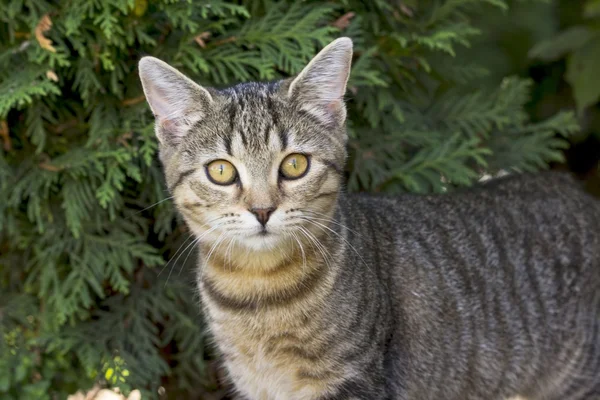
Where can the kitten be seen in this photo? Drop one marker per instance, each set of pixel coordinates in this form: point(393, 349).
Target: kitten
point(310, 293)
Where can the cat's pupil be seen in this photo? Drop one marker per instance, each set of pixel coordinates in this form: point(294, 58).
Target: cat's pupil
point(221, 169)
point(294, 163)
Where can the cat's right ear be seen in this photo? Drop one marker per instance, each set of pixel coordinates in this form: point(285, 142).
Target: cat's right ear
point(176, 101)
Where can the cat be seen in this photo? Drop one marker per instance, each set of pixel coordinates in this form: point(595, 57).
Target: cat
point(486, 293)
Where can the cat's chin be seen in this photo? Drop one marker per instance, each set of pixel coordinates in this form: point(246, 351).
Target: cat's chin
point(262, 241)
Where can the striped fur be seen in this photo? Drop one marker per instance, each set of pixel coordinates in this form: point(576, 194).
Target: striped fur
point(489, 293)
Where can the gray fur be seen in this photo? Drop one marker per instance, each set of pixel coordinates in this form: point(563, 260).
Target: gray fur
point(486, 293)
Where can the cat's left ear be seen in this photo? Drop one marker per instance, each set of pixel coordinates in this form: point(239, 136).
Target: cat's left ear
point(320, 87)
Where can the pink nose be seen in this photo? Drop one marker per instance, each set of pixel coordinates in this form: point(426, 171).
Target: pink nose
point(262, 214)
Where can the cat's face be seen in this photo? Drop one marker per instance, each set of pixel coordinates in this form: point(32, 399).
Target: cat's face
point(255, 164)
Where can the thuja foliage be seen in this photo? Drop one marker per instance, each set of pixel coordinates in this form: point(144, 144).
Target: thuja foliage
point(580, 45)
point(91, 288)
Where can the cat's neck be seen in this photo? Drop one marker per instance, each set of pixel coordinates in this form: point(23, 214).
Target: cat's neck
point(238, 257)
point(239, 277)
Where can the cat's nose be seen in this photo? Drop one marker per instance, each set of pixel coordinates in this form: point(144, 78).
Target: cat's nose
point(262, 214)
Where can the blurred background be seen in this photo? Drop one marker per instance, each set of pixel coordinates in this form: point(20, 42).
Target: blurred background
point(96, 272)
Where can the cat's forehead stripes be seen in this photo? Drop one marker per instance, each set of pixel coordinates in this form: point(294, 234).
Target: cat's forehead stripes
point(253, 118)
point(257, 120)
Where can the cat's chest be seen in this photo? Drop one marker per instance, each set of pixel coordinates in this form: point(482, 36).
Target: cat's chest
point(266, 358)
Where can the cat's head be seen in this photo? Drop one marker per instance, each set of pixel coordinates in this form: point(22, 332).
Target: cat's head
point(254, 163)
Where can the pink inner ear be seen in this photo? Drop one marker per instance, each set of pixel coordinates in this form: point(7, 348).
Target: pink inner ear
point(333, 106)
point(171, 127)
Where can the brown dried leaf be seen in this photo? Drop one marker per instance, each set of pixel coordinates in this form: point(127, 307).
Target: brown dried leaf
point(50, 167)
point(133, 101)
point(123, 139)
point(201, 37)
point(406, 10)
point(7, 143)
point(342, 22)
point(64, 126)
point(43, 26)
point(227, 40)
point(51, 75)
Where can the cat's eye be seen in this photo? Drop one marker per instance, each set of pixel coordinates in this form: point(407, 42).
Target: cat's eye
point(221, 172)
point(294, 166)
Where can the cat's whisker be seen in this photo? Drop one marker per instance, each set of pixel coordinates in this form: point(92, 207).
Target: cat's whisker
point(175, 255)
point(149, 207)
point(205, 260)
point(185, 260)
point(188, 246)
point(214, 247)
point(228, 251)
point(302, 251)
point(194, 242)
point(329, 219)
point(190, 252)
point(326, 255)
point(310, 241)
point(190, 236)
point(318, 245)
point(318, 224)
point(322, 227)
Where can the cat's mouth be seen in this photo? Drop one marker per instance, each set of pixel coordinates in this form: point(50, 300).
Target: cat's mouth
point(259, 233)
point(263, 239)
point(264, 232)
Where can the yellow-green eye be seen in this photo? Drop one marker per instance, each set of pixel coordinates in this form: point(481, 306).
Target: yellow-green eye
point(294, 166)
point(221, 172)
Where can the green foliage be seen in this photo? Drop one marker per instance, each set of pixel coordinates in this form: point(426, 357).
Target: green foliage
point(582, 67)
point(580, 44)
point(86, 227)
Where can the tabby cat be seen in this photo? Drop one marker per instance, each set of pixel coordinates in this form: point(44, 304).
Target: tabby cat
point(311, 293)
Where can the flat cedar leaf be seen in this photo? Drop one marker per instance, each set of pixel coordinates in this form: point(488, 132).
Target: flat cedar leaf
point(565, 42)
point(441, 39)
point(583, 67)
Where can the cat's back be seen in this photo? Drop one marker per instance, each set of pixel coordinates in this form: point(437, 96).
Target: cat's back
point(533, 223)
point(540, 193)
point(543, 204)
point(487, 281)
point(533, 237)
point(516, 219)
